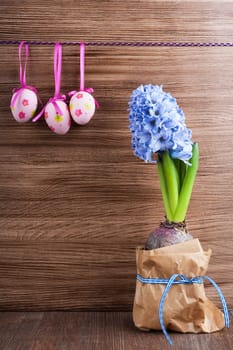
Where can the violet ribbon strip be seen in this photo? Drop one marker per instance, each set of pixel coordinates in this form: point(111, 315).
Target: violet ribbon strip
point(124, 43)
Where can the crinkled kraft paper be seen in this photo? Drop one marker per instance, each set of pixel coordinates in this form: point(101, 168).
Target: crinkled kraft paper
point(186, 309)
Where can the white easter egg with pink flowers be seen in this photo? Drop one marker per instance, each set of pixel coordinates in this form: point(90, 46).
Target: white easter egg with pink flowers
point(58, 122)
point(24, 106)
point(82, 107)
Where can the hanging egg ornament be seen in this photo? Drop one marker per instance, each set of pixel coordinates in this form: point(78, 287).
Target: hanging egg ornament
point(58, 122)
point(24, 104)
point(82, 107)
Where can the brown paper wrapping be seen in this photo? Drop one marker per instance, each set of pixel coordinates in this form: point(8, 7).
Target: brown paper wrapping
point(186, 309)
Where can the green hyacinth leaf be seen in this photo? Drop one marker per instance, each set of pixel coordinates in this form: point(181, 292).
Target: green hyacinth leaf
point(172, 181)
point(187, 186)
point(164, 191)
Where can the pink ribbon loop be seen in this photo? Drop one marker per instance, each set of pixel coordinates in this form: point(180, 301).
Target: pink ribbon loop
point(22, 70)
point(22, 74)
point(90, 90)
point(82, 66)
point(52, 100)
point(82, 76)
point(18, 91)
point(57, 80)
point(57, 68)
point(72, 93)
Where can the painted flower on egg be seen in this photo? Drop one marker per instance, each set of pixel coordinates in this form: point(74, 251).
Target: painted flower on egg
point(25, 102)
point(78, 112)
point(58, 118)
point(21, 115)
point(79, 95)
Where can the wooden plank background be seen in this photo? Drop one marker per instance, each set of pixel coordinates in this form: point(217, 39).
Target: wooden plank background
point(73, 208)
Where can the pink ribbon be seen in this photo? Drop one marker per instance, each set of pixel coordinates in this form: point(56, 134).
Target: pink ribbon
point(52, 100)
point(18, 91)
point(82, 75)
point(22, 74)
point(57, 80)
point(22, 70)
point(57, 68)
point(82, 66)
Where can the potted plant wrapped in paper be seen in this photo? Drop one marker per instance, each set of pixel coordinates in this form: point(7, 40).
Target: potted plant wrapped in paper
point(171, 267)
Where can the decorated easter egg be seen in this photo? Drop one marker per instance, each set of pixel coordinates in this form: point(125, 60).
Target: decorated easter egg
point(82, 107)
point(24, 105)
point(58, 122)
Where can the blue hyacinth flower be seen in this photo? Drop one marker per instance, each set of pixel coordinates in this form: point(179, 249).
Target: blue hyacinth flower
point(157, 124)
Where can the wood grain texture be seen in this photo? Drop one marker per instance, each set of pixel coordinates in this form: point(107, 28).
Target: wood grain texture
point(94, 331)
point(73, 208)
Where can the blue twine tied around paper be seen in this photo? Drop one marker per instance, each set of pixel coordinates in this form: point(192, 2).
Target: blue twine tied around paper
point(182, 279)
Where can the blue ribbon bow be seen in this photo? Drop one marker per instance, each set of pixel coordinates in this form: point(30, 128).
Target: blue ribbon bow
point(182, 279)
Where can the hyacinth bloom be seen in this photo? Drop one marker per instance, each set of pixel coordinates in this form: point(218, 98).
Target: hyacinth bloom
point(160, 135)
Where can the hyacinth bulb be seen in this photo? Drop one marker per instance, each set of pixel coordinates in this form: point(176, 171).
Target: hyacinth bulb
point(164, 236)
